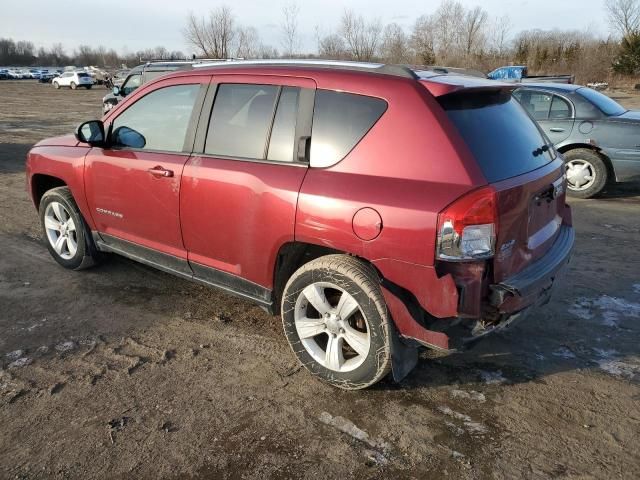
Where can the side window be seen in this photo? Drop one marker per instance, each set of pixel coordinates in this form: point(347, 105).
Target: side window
point(158, 121)
point(133, 82)
point(560, 108)
point(340, 120)
point(240, 121)
point(538, 104)
point(283, 132)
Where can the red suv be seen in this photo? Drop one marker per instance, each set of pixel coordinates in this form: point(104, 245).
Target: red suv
point(376, 208)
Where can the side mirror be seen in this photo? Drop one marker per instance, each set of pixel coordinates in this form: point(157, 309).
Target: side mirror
point(128, 137)
point(116, 91)
point(91, 132)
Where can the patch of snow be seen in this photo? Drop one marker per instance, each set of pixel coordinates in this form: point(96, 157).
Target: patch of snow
point(347, 426)
point(540, 357)
point(472, 395)
point(563, 352)
point(16, 354)
point(604, 353)
point(610, 309)
point(620, 369)
point(636, 288)
point(459, 416)
point(492, 378)
point(65, 346)
point(20, 362)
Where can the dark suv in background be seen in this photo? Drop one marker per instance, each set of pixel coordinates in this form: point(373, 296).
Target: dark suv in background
point(375, 208)
point(138, 76)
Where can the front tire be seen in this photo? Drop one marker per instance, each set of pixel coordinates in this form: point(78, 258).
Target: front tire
point(586, 171)
point(68, 238)
point(88, 87)
point(56, 85)
point(337, 323)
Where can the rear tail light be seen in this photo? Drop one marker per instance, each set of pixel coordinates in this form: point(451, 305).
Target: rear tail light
point(468, 227)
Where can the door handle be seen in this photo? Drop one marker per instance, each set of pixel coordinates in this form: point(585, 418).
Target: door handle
point(159, 171)
point(557, 129)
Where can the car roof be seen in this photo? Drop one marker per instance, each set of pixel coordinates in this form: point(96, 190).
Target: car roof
point(558, 87)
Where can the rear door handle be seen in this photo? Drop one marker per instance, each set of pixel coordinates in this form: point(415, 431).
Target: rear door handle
point(159, 171)
point(557, 129)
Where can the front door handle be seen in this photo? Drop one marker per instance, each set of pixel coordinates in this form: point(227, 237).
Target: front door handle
point(557, 129)
point(159, 171)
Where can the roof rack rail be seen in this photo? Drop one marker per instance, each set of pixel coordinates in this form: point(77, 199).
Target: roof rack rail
point(381, 68)
point(187, 60)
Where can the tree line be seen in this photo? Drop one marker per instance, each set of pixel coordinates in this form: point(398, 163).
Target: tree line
point(24, 53)
point(452, 35)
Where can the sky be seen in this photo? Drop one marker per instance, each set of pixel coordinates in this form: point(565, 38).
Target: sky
point(130, 25)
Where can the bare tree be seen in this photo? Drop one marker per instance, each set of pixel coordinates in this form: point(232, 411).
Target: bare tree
point(472, 30)
point(212, 37)
point(394, 47)
point(332, 46)
point(361, 38)
point(248, 44)
point(500, 30)
point(624, 16)
point(447, 27)
point(422, 41)
point(290, 36)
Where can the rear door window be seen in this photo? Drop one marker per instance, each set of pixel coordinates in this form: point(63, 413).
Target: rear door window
point(538, 104)
point(340, 121)
point(241, 119)
point(560, 108)
point(283, 132)
point(502, 137)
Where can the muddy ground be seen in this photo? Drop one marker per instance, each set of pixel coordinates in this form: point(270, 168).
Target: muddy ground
point(126, 372)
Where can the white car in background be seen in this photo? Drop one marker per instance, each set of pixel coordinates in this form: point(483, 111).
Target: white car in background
point(73, 80)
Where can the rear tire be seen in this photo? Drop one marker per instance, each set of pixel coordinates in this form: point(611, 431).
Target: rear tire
point(73, 86)
point(88, 87)
point(56, 85)
point(337, 323)
point(586, 171)
point(67, 235)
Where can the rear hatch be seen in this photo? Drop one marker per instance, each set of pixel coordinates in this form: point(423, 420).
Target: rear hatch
point(518, 163)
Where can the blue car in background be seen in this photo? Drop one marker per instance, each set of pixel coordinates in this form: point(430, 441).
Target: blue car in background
point(599, 138)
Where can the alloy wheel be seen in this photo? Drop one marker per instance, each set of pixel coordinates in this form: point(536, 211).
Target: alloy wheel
point(332, 327)
point(61, 230)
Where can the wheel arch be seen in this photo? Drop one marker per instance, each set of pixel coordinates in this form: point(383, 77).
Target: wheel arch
point(587, 146)
point(293, 255)
point(42, 183)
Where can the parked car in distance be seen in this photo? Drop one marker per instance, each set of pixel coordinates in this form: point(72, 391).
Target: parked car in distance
point(599, 139)
point(73, 80)
point(46, 76)
point(310, 188)
point(138, 76)
point(520, 74)
point(4, 74)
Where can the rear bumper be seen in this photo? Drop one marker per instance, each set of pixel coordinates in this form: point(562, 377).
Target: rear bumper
point(534, 283)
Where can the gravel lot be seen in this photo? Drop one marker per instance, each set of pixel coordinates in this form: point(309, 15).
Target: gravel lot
point(126, 372)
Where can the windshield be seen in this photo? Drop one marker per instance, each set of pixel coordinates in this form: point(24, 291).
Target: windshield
point(607, 105)
point(503, 138)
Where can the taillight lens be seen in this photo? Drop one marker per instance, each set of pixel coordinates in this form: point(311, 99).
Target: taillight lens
point(468, 227)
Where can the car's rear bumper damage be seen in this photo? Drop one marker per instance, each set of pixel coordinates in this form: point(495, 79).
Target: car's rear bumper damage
point(509, 301)
point(534, 282)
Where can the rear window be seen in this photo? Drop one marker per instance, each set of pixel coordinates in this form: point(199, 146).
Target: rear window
point(83, 75)
point(340, 120)
point(607, 105)
point(501, 135)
